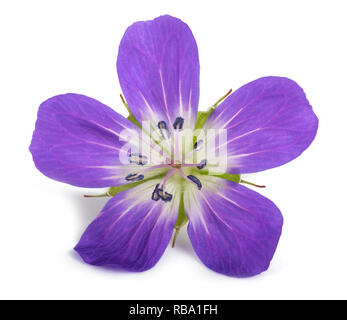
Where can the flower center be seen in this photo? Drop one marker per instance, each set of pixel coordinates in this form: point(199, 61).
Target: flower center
point(177, 142)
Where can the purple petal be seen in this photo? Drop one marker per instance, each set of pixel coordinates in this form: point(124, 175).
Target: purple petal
point(132, 231)
point(158, 69)
point(76, 140)
point(269, 122)
point(233, 230)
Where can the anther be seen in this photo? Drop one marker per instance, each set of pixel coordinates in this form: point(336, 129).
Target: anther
point(164, 131)
point(159, 193)
point(202, 164)
point(155, 195)
point(195, 180)
point(134, 177)
point(178, 124)
point(198, 144)
point(138, 158)
point(165, 196)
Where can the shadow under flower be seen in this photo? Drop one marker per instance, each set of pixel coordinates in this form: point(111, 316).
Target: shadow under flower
point(87, 209)
point(74, 255)
point(183, 244)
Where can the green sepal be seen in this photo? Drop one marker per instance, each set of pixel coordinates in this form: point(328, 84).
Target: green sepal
point(226, 176)
point(230, 177)
point(182, 218)
point(202, 117)
point(115, 190)
point(133, 120)
point(131, 117)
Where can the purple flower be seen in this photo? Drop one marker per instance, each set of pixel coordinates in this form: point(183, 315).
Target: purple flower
point(234, 230)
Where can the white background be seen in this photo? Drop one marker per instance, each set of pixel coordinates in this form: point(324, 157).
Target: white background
point(54, 47)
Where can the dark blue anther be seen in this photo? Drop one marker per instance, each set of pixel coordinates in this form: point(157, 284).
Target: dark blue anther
point(178, 124)
point(155, 195)
point(202, 164)
point(138, 158)
point(198, 144)
point(195, 180)
point(159, 193)
point(164, 131)
point(134, 177)
point(165, 196)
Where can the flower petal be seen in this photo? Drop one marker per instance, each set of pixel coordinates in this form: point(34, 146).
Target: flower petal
point(77, 141)
point(132, 231)
point(158, 69)
point(269, 122)
point(233, 230)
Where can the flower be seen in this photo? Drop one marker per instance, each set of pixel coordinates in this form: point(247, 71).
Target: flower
point(158, 183)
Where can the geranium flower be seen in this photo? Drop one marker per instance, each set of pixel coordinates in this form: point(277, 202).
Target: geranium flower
point(158, 187)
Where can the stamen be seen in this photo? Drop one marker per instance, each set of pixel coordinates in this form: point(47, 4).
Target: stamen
point(195, 180)
point(140, 175)
point(168, 175)
point(164, 131)
point(134, 177)
point(165, 196)
point(138, 158)
point(184, 175)
point(159, 193)
point(178, 124)
point(202, 164)
point(155, 195)
point(198, 144)
point(197, 147)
